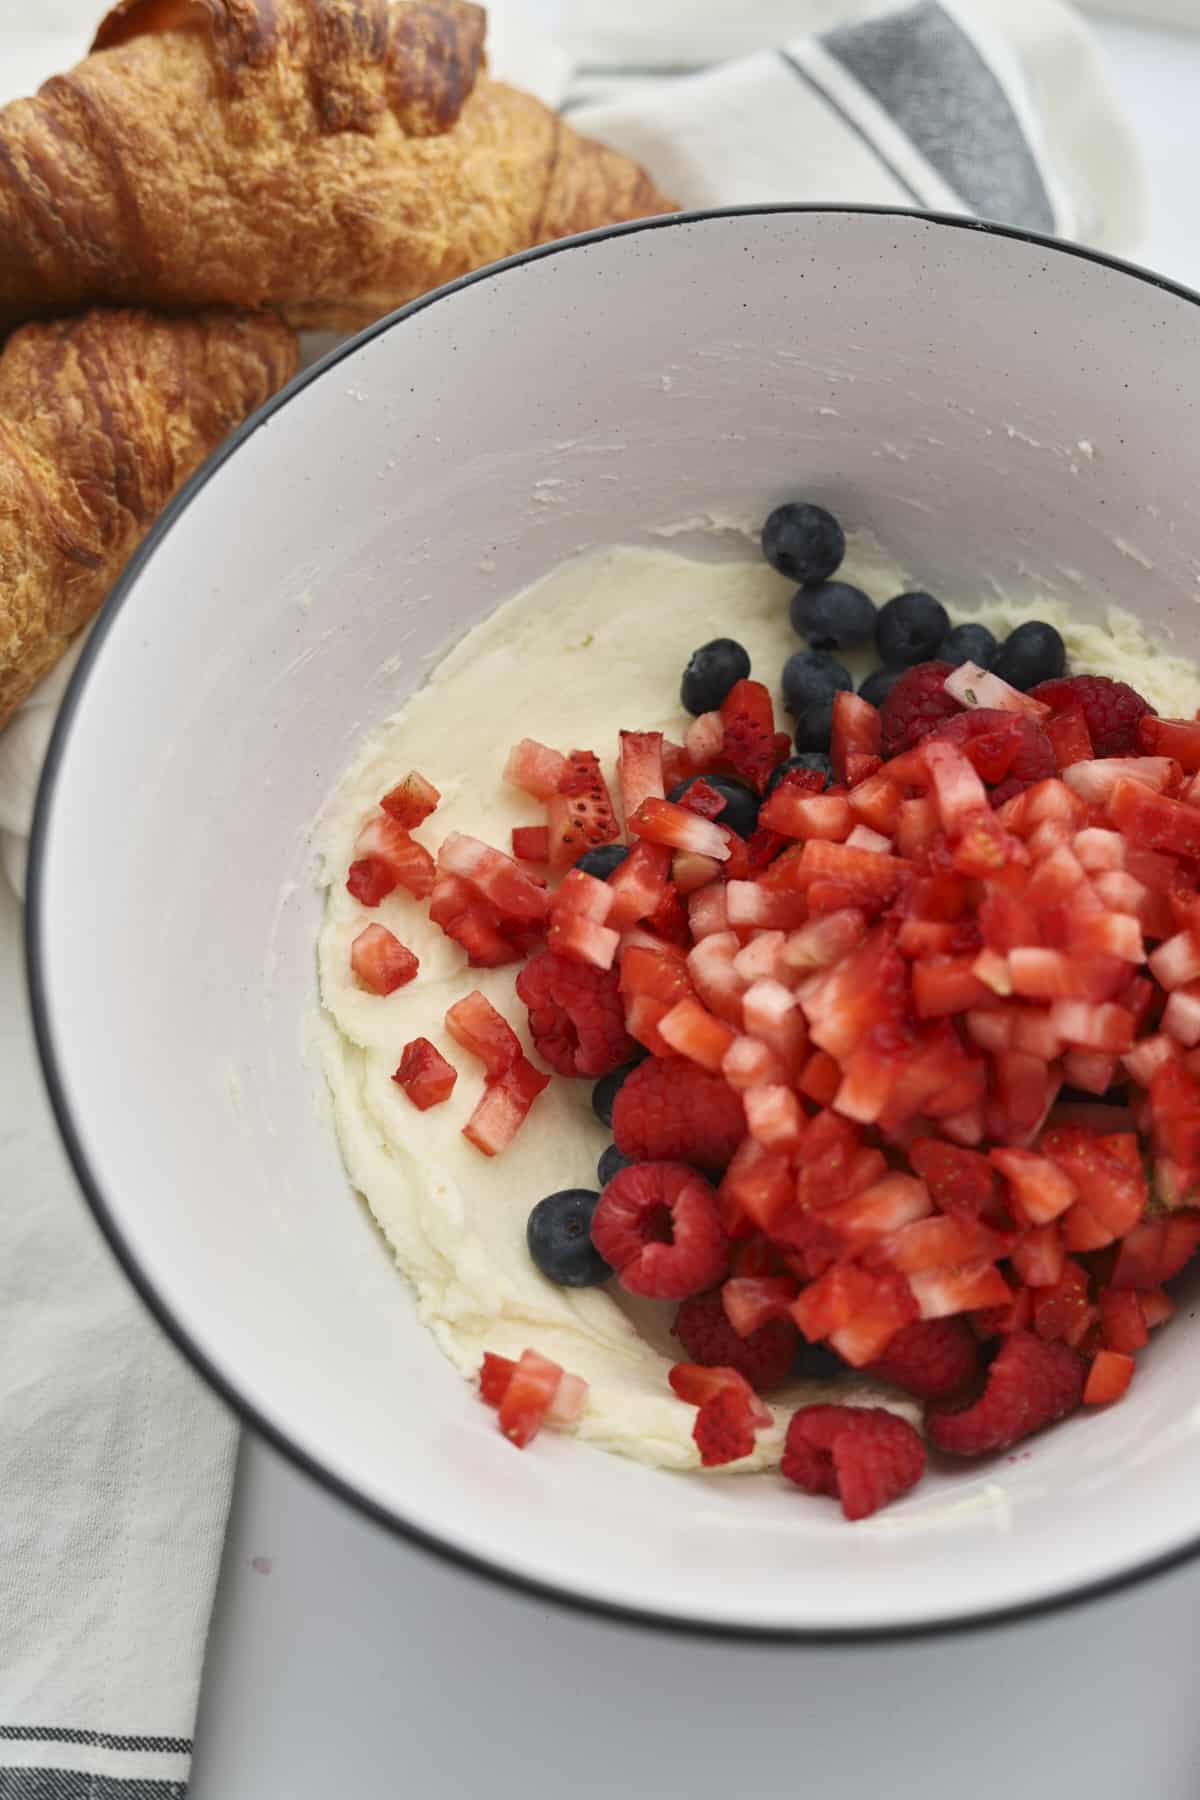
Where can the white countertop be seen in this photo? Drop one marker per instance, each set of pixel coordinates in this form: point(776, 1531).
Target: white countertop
point(342, 1661)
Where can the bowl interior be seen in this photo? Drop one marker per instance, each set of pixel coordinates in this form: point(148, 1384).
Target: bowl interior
point(995, 410)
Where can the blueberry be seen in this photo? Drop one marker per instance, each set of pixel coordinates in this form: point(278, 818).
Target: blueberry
point(810, 680)
point(812, 759)
point(910, 628)
point(611, 1163)
point(711, 673)
point(967, 643)
point(606, 1090)
point(879, 684)
point(803, 542)
point(559, 1235)
point(740, 811)
point(603, 860)
point(834, 616)
point(1033, 652)
point(817, 1362)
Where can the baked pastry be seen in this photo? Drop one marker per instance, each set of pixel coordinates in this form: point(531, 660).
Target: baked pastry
point(328, 159)
point(102, 418)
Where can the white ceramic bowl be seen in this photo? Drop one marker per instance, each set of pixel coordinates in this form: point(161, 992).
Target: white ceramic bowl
point(993, 407)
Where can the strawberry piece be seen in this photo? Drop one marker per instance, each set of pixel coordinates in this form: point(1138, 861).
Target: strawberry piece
point(951, 1241)
point(1107, 1028)
point(1181, 1018)
point(1154, 822)
point(858, 1310)
point(677, 764)
point(1122, 1320)
point(916, 705)
point(474, 1023)
point(875, 879)
point(757, 1188)
point(535, 768)
point(494, 1376)
point(640, 769)
point(669, 921)
point(639, 885)
point(935, 1359)
point(381, 963)
point(579, 816)
point(1042, 1190)
point(876, 802)
point(752, 1301)
point(959, 1181)
point(1062, 1309)
point(1176, 962)
point(857, 731)
point(662, 822)
point(1111, 1188)
point(820, 1078)
point(762, 959)
point(1156, 1250)
point(762, 1356)
point(747, 1064)
point(849, 1226)
point(976, 687)
point(825, 941)
point(946, 985)
point(469, 920)
point(774, 1117)
point(581, 894)
point(674, 1111)
point(1175, 1114)
point(1069, 737)
point(576, 1016)
point(712, 965)
point(1096, 782)
point(411, 801)
point(692, 1032)
point(868, 988)
point(425, 1075)
point(504, 1107)
point(369, 880)
point(1030, 1384)
point(409, 863)
point(658, 1225)
point(527, 1399)
point(752, 904)
point(939, 1293)
point(1111, 709)
point(580, 939)
point(1178, 739)
point(1144, 1061)
point(1156, 1305)
point(797, 815)
point(1109, 1376)
point(690, 873)
point(1038, 1258)
point(748, 724)
point(771, 1015)
point(704, 741)
point(515, 895)
point(531, 843)
point(862, 1455)
point(697, 1382)
point(1008, 750)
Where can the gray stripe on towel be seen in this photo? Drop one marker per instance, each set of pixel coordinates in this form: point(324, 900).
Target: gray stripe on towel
point(924, 71)
point(77, 1784)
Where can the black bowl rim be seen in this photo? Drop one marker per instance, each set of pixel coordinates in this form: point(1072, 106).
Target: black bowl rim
point(125, 1252)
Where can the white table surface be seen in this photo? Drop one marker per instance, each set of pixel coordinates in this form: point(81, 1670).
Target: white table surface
point(343, 1662)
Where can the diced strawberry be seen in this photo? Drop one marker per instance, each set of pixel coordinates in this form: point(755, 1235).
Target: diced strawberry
point(916, 826)
point(693, 1032)
point(972, 686)
point(669, 921)
point(1153, 822)
point(1111, 1188)
point(381, 963)
point(774, 1117)
point(1181, 1019)
point(1143, 1062)
point(939, 1293)
point(867, 988)
point(579, 815)
point(707, 911)
point(531, 843)
point(382, 840)
point(758, 1186)
point(863, 1456)
point(887, 1206)
point(640, 768)
point(946, 1241)
point(1038, 1257)
point(535, 768)
point(1030, 1384)
point(770, 1014)
point(748, 1063)
point(960, 1181)
point(662, 822)
point(1175, 738)
point(1110, 1374)
point(825, 941)
point(798, 815)
point(1155, 1250)
point(705, 740)
point(945, 985)
point(1108, 1028)
point(748, 725)
point(504, 1107)
point(369, 880)
point(992, 1027)
point(958, 793)
point(1116, 934)
point(712, 966)
point(857, 730)
point(677, 764)
point(494, 1376)
point(1054, 975)
point(751, 1301)
point(750, 903)
point(474, 1023)
point(1003, 1321)
point(532, 1386)
point(690, 873)
point(1122, 1320)
point(863, 838)
point(639, 885)
point(1069, 737)
point(425, 1075)
point(1176, 962)
point(581, 894)
point(820, 1078)
point(411, 801)
point(1096, 781)
point(581, 940)
point(470, 921)
point(1091, 1070)
point(857, 1310)
point(695, 1383)
point(513, 893)
point(762, 959)
point(703, 799)
point(1157, 1306)
point(877, 801)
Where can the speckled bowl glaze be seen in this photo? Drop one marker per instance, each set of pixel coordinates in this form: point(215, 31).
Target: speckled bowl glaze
point(995, 409)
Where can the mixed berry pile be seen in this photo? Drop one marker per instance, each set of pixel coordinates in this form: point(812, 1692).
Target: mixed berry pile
point(895, 1019)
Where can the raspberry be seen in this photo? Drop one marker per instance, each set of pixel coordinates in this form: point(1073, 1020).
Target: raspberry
point(670, 1109)
point(862, 1455)
point(1111, 708)
point(724, 1429)
point(657, 1225)
point(765, 1357)
point(1034, 758)
point(1030, 1384)
point(916, 706)
point(931, 1358)
point(576, 1015)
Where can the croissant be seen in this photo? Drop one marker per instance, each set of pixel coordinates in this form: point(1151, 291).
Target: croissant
point(328, 159)
point(101, 419)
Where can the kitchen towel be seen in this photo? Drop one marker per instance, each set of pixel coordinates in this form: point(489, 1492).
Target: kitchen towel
point(115, 1466)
